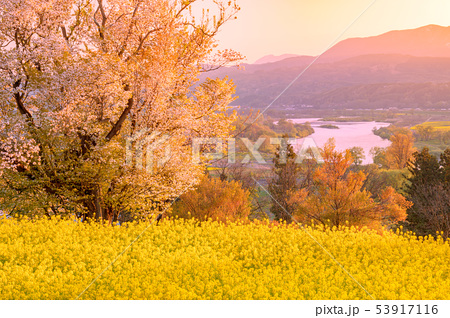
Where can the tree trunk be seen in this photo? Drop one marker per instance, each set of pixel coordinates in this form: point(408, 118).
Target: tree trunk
point(99, 215)
point(110, 215)
point(94, 205)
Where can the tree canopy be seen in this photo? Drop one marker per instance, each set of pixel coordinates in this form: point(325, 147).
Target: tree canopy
point(338, 197)
point(86, 86)
point(429, 190)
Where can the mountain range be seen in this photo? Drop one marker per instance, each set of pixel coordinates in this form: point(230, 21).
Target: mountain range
point(398, 69)
point(274, 58)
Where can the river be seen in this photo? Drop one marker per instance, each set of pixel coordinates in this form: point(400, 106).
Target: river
point(349, 134)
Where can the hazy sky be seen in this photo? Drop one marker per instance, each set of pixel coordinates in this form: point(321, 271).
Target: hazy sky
point(309, 26)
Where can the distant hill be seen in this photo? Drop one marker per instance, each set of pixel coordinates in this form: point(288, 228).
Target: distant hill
point(427, 41)
point(274, 58)
point(403, 69)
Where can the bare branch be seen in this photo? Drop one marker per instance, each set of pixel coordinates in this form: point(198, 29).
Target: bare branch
point(102, 11)
point(141, 44)
point(130, 29)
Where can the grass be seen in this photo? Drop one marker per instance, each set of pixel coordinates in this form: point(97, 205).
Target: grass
point(435, 146)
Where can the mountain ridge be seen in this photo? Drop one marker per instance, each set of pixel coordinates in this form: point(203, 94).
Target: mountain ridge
point(274, 58)
point(393, 42)
point(394, 69)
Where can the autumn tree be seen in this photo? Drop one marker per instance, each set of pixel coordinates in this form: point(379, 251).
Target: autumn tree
point(92, 91)
point(215, 199)
point(379, 156)
point(309, 165)
point(400, 152)
point(387, 132)
point(294, 130)
point(424, 132)
point(241, 173)
point(357, 155)
point(378, 179)
point(338, 196)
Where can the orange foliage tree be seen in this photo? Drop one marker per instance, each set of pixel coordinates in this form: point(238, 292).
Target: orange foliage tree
point(215, 199)
point(400, 152)
point(338, 197)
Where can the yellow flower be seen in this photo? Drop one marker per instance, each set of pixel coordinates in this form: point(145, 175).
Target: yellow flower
point(178, 259)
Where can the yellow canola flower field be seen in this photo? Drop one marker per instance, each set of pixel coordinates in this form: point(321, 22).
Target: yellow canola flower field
point(59, 259)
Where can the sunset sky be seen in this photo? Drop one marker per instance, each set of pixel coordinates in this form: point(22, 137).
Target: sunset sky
point(309, 26)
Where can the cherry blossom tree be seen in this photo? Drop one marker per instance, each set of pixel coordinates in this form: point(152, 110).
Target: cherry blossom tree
point(84, 82)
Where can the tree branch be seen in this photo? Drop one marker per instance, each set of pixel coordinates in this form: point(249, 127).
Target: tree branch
point(118, 126)
point(19, 102)
point(102, 11)
point(130, 29)
point(141, 44)
point(65, 36)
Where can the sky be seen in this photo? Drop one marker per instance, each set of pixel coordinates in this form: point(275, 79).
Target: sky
point(309, 27)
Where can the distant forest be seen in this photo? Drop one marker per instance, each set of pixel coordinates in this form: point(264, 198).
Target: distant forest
point(365, 82)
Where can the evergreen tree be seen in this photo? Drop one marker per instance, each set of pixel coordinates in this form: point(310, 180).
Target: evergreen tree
point(429, 190)
point(445, 165)
point(285, 181)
